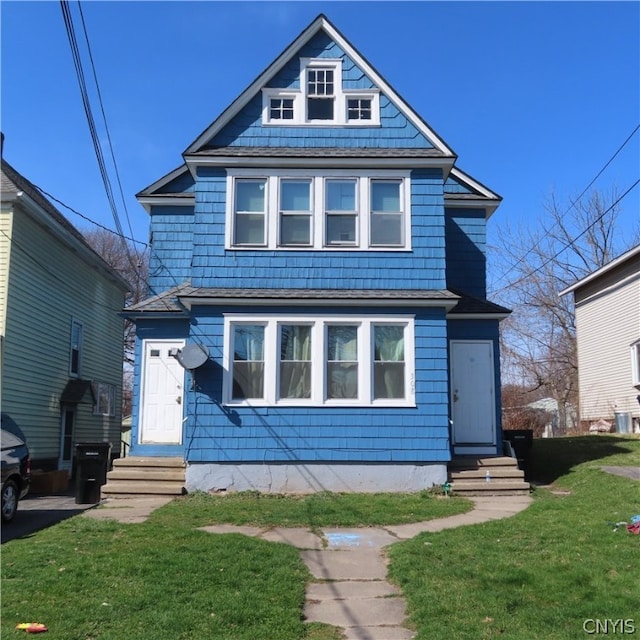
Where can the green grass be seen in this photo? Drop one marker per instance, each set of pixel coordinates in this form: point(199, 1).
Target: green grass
point(322, 509)
point(537, 575)
point(542, 573)
point(101, 580)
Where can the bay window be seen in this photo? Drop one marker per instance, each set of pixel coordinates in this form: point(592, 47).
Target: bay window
point(316, 361)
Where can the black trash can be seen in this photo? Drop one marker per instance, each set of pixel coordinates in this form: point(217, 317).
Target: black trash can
point(92, 464)
point(522, 441)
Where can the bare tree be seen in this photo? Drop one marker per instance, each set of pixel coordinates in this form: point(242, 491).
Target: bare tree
point(538, 340)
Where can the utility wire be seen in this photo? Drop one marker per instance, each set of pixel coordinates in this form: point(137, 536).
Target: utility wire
point(104, 118)
point(572, 242)
point(97, 224)
point(573, 204)
point(77, 60)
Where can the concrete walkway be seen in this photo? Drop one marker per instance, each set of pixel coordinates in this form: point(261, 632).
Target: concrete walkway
point(351, 590)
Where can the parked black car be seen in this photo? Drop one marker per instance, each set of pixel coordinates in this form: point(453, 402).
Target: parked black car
point(16, 470)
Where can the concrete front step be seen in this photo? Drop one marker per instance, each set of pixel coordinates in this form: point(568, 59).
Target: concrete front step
point(156, 488)
point(145, 476)
point(137, 461)
point(468, 476)
point(477, 462)
point(494, 473)
point(492, 488)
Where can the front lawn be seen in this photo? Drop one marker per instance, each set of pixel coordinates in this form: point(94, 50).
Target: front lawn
point(164, 579)
point(544, 573)
point(538, 575)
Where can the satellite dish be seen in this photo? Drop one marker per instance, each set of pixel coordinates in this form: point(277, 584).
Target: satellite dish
point(192, 356)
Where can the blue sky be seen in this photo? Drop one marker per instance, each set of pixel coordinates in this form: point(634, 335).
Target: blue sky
point(534, 97)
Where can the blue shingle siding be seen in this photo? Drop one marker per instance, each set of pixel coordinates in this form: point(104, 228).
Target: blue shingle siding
point(454, 186)
point(421, 268)
point(184, 183)
point(313, 434)
point(466, 240)
point(395, 131)
point(172, 243)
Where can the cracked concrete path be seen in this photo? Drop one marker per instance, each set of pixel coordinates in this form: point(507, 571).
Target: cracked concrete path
point(350, 567)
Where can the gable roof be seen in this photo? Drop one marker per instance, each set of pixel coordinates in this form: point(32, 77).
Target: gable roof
point(14, 187)
point(321, 23)
point(471, 193)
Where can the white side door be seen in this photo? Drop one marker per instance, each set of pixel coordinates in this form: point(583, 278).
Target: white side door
point(472, 392)
point(162, 393)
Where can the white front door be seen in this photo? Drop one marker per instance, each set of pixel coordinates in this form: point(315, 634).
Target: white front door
point(472, 392)
point(162, 393)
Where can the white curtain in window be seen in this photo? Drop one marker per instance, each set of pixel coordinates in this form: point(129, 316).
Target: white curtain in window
point(248, 362)
point(342, 362)
point(295, 361)
point(389, 366)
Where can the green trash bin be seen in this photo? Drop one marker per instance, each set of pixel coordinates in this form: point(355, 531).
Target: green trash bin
point(92, 464)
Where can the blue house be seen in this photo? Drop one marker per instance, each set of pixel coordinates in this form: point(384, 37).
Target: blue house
point(317, 318)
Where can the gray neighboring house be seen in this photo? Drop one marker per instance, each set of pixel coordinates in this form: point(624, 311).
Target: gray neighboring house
point(607, 304)
point(61, 338)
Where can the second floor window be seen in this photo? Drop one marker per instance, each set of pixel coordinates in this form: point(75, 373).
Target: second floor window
point(296, 210)
point(75, 351)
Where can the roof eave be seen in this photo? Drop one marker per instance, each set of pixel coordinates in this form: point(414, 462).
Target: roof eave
point(445, 163)
point(190, 301)
point(83, 249)
point(478, 316)
point(165, 200)
point(602, 270)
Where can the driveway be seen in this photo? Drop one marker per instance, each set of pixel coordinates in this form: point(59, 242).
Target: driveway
point(37, 512)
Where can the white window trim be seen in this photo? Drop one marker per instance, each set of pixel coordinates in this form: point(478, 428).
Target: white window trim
point(271, 323)
point(76, 323)
point(635, 364)
point(318, 178)
point(341, 96)
point(111, 399)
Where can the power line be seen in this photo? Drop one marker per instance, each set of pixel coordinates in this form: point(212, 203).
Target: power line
point(104, 118)
point(573, 204)
point(97, 224)
point(572, 242)
point(77, 60)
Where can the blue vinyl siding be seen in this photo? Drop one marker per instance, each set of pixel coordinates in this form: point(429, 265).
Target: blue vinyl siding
point(466, 238)
point(214, 433)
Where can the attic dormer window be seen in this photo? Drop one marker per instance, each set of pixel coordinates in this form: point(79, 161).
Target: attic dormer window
point(320, 94)
point(321, 97)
